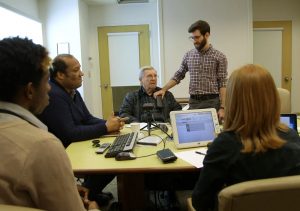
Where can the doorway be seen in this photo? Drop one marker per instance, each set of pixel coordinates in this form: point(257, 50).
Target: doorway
point(272, 48)
point(122, 51)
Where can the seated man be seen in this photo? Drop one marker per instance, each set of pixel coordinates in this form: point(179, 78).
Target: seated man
point(35, 170)
point(132, 106)
point(68, 118)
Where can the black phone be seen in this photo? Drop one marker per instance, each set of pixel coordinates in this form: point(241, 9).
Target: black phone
point(102, 148)
point(166, 155)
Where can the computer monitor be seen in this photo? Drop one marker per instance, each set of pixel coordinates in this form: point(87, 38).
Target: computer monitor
point(290, 120)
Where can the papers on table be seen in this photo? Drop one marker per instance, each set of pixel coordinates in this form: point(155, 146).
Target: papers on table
point(143, 125)
point(192, 157)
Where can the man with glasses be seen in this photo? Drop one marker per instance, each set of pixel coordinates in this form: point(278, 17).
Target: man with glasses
point(134, 102)
point(208, 72)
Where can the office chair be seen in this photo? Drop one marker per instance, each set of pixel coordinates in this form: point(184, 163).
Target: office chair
point(273, 194)
point(285, 99)
point(16, 208)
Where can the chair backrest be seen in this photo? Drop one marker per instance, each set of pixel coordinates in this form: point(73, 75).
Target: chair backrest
point(274, 194)
point(16, 208)
point(285, 98)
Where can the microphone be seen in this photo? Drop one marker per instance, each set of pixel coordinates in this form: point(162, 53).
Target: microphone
point(159, 102)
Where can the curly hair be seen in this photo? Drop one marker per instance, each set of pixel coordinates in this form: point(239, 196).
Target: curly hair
point(21, 62)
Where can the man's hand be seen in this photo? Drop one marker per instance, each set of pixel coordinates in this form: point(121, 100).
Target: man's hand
point(92, 205)
point(221, 115)
point(83, 192)
point(161, 92)
point(114, 123)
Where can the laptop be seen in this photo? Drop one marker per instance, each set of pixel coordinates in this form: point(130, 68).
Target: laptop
point(194, 128)
point(290, 120)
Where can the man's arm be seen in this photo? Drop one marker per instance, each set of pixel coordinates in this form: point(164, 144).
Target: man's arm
point(222, 96)
point(48, 177)
point(168, 86)
point(62, 119)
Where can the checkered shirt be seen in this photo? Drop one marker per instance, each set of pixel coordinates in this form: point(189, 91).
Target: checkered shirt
point(208, 71)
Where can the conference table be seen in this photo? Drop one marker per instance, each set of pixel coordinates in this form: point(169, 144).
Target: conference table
point(129, 173)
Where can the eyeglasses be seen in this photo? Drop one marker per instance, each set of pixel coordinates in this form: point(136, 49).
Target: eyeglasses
point(193, 38)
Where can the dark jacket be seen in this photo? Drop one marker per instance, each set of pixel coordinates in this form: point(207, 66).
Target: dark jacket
point(225, 165)
point(133, 103)
point(69, 119)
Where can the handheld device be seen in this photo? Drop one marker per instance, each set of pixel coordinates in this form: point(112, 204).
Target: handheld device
point(102, 148)
point(166, 155)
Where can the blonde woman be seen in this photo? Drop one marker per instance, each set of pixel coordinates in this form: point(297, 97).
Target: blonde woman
point(254, 144)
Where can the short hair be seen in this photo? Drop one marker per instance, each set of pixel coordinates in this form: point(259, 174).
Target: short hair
point(59, 64)
point(143, 69)
point(200, 25)
point(21, 62)
point(252, 109)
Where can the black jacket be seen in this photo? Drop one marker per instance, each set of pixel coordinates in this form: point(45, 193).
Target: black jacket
point(133, 102)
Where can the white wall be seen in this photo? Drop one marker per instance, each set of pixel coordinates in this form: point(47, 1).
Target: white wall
point(231, 33)
point(112, 15)
point(28, 8)
point(61, 20)
point(61, 24)
point(267, 10)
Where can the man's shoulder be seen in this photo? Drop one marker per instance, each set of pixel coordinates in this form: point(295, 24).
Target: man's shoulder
point(31, 136)
point(217, 53)
point(56, 90)
point(191, 52)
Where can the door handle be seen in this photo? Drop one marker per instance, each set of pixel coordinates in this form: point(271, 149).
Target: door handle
point(286, 79)
point(105, 86)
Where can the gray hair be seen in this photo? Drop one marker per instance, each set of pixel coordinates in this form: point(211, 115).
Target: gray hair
point(143, 69)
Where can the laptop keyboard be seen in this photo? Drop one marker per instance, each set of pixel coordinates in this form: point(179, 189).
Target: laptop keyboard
point(122, 143)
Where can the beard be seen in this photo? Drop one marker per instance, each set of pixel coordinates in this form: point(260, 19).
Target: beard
point(201, 45)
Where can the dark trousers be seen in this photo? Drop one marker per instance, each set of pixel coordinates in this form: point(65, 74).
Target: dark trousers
point(208, 103)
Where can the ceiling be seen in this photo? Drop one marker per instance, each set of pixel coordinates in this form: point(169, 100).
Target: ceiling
point(100, 2)
point(107, 2)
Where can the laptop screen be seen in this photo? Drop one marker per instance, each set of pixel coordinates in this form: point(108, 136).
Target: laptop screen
point(194, 128)
point(290, 120)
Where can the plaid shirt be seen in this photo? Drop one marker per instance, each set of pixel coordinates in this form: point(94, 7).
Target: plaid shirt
point(208, 71)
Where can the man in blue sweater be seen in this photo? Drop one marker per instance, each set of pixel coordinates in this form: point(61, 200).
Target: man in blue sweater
point(68, 118)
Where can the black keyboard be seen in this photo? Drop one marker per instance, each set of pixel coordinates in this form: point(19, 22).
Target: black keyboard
point(122, 143)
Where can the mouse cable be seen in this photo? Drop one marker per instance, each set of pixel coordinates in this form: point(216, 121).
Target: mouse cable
point(157, 124)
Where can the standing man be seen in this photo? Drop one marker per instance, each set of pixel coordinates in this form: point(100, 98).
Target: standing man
point(132, 106)
point(35, 170)
point(68, 118)
point(208, 71)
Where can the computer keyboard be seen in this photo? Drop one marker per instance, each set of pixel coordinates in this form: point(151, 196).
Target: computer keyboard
point(122, 143)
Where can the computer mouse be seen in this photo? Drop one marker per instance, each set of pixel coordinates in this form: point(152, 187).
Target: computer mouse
point(125, 156)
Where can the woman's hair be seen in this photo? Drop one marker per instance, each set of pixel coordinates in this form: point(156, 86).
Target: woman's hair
point(252, 109)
